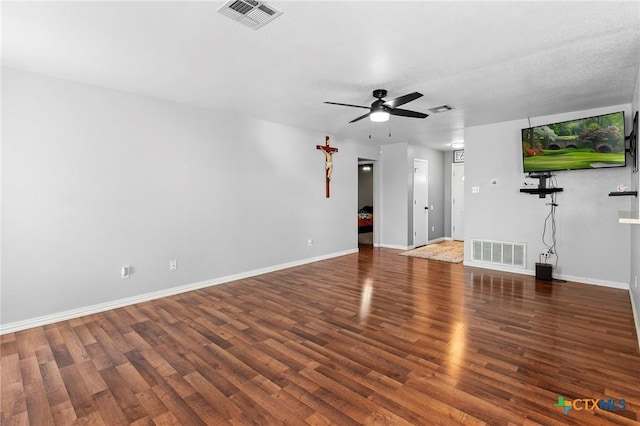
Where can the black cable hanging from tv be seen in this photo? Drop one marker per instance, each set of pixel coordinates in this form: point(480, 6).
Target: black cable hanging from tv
point(551, 247)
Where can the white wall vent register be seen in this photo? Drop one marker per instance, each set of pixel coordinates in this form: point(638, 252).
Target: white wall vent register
point(251, 13)
point(504, 253)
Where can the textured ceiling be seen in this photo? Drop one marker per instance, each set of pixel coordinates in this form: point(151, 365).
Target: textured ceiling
point(492, 61)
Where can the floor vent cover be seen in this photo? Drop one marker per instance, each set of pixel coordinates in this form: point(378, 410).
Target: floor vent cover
point(252, 13)
point(501, 252)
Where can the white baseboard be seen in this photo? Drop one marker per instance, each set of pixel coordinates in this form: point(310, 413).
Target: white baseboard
point(393, 246)
point(603, 283)
point(636, 316)
point(583, 280)
point(101, 307)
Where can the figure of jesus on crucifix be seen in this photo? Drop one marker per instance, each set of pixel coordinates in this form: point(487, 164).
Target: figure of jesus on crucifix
point(328, 162)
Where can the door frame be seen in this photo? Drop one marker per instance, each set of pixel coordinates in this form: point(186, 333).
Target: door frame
point(376, 197)
point(413, 197)
point(454, 166)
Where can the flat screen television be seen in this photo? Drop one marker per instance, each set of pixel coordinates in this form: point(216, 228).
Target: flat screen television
point(585, 143)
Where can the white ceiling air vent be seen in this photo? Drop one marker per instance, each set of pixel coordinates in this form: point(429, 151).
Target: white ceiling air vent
point(251, 13)
point(442, 108)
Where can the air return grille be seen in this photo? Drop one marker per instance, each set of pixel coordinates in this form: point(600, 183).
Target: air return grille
point(500, 252)
point(251, 13)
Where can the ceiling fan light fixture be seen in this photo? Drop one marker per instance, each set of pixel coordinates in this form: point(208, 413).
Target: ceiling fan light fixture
point(379, 116)
point(379, 113)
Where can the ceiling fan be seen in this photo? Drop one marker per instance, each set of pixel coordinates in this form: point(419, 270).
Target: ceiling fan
point(380, 110)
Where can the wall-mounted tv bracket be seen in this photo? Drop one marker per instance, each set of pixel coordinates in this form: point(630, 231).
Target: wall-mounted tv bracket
point(542, 190)
point(633, 143)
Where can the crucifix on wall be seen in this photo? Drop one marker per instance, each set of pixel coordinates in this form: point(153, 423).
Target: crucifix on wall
point(328, 162)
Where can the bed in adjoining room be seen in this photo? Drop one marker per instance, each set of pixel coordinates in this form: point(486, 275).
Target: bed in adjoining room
point(365, 220)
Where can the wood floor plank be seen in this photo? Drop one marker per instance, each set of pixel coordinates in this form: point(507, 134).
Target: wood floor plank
point(205, 411)
point(10, 369)
point(63, 413)
point(151, 404)
point(429, 343)
point(94, 418)
point(78, 393)
point(28, 341)
point(252, 413)
point(110, 409)
point(21, 419)
point(123, 394)
point(35, 394)
point(177, 406)
point(213, 396)
point(53, 384)
point(325, 411)
point(13, 402)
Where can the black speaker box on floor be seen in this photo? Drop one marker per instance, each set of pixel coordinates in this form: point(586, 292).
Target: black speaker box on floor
point(543, 272)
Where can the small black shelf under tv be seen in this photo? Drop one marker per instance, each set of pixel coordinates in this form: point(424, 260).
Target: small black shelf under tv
point(541, 191)
point(623, 193)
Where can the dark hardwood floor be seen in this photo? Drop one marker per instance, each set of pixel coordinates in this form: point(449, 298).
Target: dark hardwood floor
point(368, 338)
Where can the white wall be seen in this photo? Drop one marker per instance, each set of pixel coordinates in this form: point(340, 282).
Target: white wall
point(592, 246)
point(394, 178)
point(95, 179)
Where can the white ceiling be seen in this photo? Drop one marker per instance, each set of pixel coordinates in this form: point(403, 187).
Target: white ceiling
point(492, 61)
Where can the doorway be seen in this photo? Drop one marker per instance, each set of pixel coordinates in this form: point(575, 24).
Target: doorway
point(365, 202)
point(420, 202)
point(457, 201)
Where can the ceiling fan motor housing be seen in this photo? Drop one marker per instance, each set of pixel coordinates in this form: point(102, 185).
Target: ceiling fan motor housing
point(379, 106)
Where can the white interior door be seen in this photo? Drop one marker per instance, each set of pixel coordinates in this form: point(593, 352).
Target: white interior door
point(457, 201)
point(420, 202)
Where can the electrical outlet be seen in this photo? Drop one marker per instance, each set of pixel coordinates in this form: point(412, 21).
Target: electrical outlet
point(475, 189)
point(433, 229)
point(636, 282)
point(125, 272)
point(309, 242)
point(173, 265)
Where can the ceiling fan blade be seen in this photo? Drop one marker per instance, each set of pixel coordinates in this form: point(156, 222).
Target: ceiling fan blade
point(392, 103)
point(360, 118)
point(349, 105)
point(407, 113)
